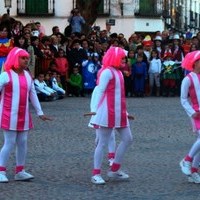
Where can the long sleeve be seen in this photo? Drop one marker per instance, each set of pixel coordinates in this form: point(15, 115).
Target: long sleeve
point(34, 100)
point(76, 80)
point(159, 66)
point(99, 90)
point(184, 97)
point(40, 87)
point(4, 79)
point(56, 87)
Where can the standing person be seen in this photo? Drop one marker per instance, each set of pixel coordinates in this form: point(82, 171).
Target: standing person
point(190, 100)
point(168, 75)
point(108, 111)
point(154, 72)
point(112, 141)
point(17, 88)
point(6, 44)
point(126, 71)
point(76, 21)
point(139, 73)
point(62, 67)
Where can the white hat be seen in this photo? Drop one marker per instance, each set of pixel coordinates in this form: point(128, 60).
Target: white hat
point(176, 37)
point(158, 38)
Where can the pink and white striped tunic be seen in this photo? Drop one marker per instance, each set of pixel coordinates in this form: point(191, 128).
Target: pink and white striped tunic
point(191, 85)
point(108, 100)
point(16, 90)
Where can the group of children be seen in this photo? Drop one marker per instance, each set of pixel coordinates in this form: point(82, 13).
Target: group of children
point(49, 87)
point(108, 113)
point(107, 110)
point(155, 76)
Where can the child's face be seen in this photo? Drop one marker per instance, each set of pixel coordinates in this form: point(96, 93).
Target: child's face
point(123, 61)
point(139, 59)
point(23, 62)
point(140, 51)
point(36, 42)
point(41, 77)
point(197, 66)
point(47, 77)
point(76, 46)
point(4, 33)
point(131, 54)
point(58, 77)
point(154, 54)
point(96, 58)
point(61, 53)
point(54, 75)
point(75, 70)
point(21, 41)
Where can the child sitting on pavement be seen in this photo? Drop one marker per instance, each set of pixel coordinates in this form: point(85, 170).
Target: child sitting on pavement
point(55, 86)
point(44, 92)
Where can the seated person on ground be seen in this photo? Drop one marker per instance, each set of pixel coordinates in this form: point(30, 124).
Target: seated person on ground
point(55, 86)
point(44, 92)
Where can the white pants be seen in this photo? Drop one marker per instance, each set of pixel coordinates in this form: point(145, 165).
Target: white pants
point(12, 139)
point(104, 135)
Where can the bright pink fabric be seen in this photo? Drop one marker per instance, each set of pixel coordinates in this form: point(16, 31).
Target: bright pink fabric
point(15, 113)
point(22, 102)
point(96, 171)
point(110, 95)
point(194, 100)
point(2, 168)
point(111, 102)
point(113, 57)
point(12, 60)
point(123, 101)
point(7, 103)
point(111, 155)
point(19, 169)
point(115, 167)
point(190, 59)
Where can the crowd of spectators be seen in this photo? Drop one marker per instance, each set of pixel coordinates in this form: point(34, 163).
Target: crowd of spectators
point(66, 64)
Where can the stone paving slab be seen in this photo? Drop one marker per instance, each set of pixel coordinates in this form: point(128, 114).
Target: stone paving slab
point(60, 155)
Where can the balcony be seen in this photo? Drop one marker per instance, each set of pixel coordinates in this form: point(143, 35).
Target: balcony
point(151, 8)
point(36, 7)
point(104, 8)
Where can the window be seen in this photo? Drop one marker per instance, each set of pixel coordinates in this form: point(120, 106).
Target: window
point(104, 7)
point(150, 8)
point(35, 7)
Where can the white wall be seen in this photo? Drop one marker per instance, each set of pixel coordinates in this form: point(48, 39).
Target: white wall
point(126, 25)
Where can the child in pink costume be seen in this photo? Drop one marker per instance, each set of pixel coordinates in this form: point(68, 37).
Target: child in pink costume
point(190, 89)
point(108, 110)
point(17, 88)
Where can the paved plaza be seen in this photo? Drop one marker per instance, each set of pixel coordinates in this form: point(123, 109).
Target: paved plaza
point(60, 155)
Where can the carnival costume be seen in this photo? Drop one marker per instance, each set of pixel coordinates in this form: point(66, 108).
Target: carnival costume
point(15, 119)
point(109, 104)
point(190, 100)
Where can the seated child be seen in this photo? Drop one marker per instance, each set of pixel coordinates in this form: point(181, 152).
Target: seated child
point(44, 92)
point(75, 82)
point(55, 86)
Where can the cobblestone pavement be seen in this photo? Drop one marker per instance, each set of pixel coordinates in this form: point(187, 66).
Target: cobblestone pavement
point(60, 155)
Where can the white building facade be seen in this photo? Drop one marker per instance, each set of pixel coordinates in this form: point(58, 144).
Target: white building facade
point(128, 15)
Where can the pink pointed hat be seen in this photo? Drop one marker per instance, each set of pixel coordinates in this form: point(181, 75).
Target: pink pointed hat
point(190, 59)
point(12, 60)
point(113, 57)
